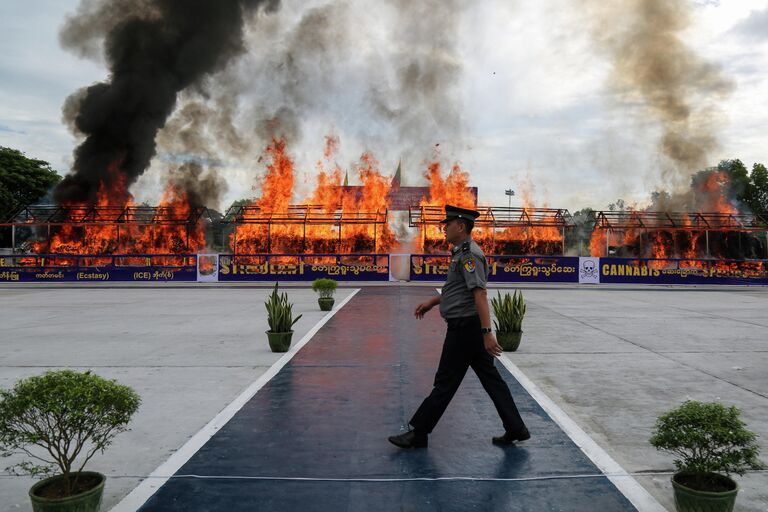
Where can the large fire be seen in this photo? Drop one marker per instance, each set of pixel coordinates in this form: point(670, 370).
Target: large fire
point(114, 225)
point(718, 231)
point(524, 238)
point(333, 219)
point(527, 239)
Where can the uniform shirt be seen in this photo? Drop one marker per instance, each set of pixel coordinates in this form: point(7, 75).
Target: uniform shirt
point(468, 270)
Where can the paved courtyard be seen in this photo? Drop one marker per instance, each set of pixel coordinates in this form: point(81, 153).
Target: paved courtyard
point(611, 358)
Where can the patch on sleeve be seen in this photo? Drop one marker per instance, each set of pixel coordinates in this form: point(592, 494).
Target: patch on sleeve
point(469, 265)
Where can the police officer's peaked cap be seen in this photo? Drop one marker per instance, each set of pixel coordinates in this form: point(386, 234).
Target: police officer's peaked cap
point(454, 212)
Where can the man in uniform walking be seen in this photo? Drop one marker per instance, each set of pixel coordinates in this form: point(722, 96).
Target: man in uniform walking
point(469, 340)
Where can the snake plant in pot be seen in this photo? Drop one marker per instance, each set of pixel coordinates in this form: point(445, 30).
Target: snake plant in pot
point(509, 311)
point(280, 320)
point(60, 420)
point(325, 288)
point(709, 439)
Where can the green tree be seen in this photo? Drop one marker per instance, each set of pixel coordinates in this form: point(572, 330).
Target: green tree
point(758, 197)
point(748, 189)
point(737, 190)
point(23, 180)
point(739, 184)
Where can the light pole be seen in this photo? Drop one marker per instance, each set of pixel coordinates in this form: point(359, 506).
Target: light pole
point(509, 192)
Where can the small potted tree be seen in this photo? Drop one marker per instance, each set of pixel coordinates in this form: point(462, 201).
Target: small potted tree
point(509, 312)
point(709, 439)
point(280, 319)
point(325, 288)
point(60, 420)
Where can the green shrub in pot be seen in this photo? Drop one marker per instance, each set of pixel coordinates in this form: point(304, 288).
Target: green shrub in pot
point(59, 420)
point(280, 320)
point(325, 288)
point(710, 442)
point(509, 311)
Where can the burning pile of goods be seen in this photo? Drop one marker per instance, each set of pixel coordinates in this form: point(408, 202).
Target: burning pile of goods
point(665, 235)
point(114, 225)
point(718, 232)
point(498, 230)
point(336, 219)
point(340, 219)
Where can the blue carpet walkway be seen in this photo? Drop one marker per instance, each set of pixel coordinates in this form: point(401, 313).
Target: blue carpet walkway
point(314, 438)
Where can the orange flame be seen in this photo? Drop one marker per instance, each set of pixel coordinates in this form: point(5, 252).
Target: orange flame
point(454, 190)
point(291, 234)
point(528, 240)
point(106, 234)
point(709, 196)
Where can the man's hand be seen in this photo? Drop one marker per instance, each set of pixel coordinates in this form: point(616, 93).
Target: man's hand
point(422, 308)
point(491, 345)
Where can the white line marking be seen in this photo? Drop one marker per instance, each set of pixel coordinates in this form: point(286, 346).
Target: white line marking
point(624, 482)
point(390, 480)
point(138, 496)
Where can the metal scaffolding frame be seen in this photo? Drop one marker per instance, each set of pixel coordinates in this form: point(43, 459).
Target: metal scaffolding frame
point(304, 214)
point(41, 215)
point(612, 221)
point(497, 217)
point(676, 221)
point(501, 217)
point(82, 216)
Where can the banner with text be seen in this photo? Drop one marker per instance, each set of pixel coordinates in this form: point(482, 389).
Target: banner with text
point(295, 267)
point(503, 269)
point(372, 267)
point(674, 271)
point(58, 268)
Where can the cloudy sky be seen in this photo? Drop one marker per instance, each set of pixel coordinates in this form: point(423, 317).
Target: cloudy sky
point(533, 96)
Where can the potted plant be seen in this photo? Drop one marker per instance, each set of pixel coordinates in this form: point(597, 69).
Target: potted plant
point(509, 312)
point(280, 319)
point(325, 289)
point(60, 420)
point(709, 439)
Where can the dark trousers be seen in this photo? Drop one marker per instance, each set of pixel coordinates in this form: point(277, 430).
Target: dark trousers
point(463, 347)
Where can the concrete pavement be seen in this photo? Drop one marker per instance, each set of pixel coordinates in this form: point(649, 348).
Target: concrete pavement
point(612, 358)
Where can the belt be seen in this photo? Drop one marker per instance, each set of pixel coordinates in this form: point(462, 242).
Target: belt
point(463, 322)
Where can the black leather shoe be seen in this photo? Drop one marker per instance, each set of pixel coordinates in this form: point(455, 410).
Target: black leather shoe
point(409, 439)
point(510, 438)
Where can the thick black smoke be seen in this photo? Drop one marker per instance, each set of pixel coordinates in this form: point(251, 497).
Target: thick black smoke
point(159, 48)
